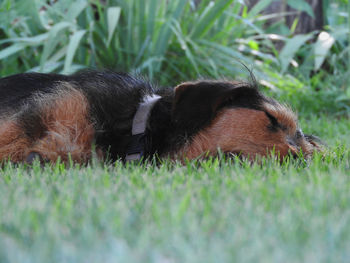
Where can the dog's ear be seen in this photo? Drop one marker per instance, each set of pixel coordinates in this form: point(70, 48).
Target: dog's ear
point(197, 103)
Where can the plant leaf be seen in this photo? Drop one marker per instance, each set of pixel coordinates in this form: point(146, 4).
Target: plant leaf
point(75, 9)
point(324, 42)
point(32, 41)
point(52, 41)
point(291, 47)
point(72, 48)
point(258, 7)
point(11, 50)
point(113, 14)
point(206, 21)
point(165, 32)
point(301, 5)
point(152, 13)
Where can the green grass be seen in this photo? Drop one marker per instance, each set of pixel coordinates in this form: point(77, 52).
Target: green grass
point(215, 212)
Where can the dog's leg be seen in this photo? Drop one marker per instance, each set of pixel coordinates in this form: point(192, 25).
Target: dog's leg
point(69, 131)
point(13, 142)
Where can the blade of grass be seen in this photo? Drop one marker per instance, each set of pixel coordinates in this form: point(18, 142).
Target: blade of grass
point(152, 13)
point(35, 40)
point(6, 52)
point(349, 29)
point(142, 51)
point(30, 9)
point(72, 48)
point(302, 5)
point(206, 21)
point(165, 32)
point(113, 14)
point(52, 41)
point(291, 47)
point(141, 26)
point(49, 67)
point(226, 51)
point(322, 46)
point(180, 38)
point(75, 9)
point(258, 7)
point(127, 39)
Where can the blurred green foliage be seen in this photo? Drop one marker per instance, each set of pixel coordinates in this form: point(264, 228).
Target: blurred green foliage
point(175, 38)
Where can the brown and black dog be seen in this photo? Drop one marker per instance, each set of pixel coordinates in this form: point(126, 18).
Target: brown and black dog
point(51, 116)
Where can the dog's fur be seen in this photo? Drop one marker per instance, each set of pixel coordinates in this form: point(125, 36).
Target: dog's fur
point(57, 116)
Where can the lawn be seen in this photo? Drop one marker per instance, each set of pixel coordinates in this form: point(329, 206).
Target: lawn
point(213, 212)
point(209, 211)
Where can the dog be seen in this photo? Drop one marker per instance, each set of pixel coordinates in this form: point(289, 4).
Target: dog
point(117, 116)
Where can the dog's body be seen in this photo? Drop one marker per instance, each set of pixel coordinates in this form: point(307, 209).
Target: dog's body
point(58, 116)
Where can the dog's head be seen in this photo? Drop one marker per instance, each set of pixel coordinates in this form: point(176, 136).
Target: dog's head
point(236, 118)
